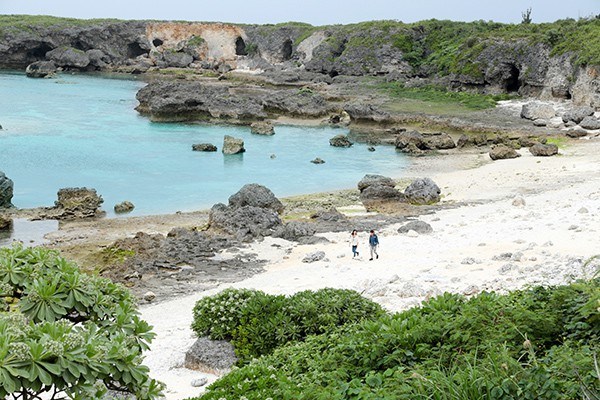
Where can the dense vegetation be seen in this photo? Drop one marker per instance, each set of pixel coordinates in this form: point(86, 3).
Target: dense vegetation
point(540, 343)
point(67, 334)
point(257, 323)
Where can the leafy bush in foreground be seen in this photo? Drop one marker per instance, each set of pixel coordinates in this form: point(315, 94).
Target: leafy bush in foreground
point(257, 323)
point(533, 344)
point(67, 333)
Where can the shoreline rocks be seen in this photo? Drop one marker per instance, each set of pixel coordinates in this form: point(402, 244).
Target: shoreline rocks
point(340, 141)
point(543, 150)
point(124, 207)
point(41, 69)
point(262, 128)
point(232, 145)
point(206, 147)
point(77, 203)
point(6, 191)
point(503, 152)
point(422, 191)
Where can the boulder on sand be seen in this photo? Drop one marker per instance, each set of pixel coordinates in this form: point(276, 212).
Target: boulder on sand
point(211, 356)
point(375, 189)
point(543, 150)
point(422, 191)
point(420, 227)
point(536, 110)
point(577, 114)
point(503, 152)
point(590, 122)
point(232, 145)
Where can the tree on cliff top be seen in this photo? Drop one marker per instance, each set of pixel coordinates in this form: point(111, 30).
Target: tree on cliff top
point(67, 334)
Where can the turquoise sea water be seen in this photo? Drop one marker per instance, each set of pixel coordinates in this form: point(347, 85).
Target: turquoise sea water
point(83, 131)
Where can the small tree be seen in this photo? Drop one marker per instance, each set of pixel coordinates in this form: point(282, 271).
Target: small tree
point(526, 15)
point(65, 334)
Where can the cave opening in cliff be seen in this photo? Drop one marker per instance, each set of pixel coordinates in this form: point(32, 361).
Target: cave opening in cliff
point(240, 47)
point(39, 52)
point(135, 50)
point(157, 42)
point(512, 83)
point(79, 45)
point(286, 50)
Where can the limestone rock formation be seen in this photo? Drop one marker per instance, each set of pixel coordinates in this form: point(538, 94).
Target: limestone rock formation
point(256, 195)
point(68, 57)
point(232, 145)
point(422, 191)
point(577, 114)
point(375, 180)
point(210, 356)
point(590, 122)
point(124, 207)
point(204, 147)
point(262, 128)
point(543, 150)
point(340, 141)
point(41, 69)
point(378, 190)
point(407, 141)
point(6, 191)
point(440, 141)
point(534, 110)
point(76, 203)
point(503, 152)
point(5, 222)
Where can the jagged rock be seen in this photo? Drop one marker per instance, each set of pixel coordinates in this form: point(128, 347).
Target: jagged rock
point(75, 203)
point(98, 58)
point(535, 111)
point(149, 296)
point(314, 257)
point(244, 223)
point(422, 191)
point(576, 132)
point(503, 152)
point(340, 141)
point(420, 227)
point(210, 356)
point(340, 118)
point(592, 123)
point(255, 195)
point(413, 150)
point(177, 59)
point(365, 112)
point(262, 128)
point(372, 179)
point(204, 147)
point(440, 141)
point(5, 222)
point(577, 114)
point(124, 207)
point(298, 232)
point(40, 69)
point(405, 139)
point(318, 161)
point(232, 145)
point(543, 150)
point(528, 141)
point(6, 191)
point(68, 57)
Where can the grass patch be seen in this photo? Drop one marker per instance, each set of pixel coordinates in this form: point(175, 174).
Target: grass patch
point(560, 141)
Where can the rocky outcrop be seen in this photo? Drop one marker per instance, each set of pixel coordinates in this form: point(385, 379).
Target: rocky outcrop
point(6, 191)
point(68, 57)
point(591, 123)
point(340, 141)
point(262, 128)
point(41, 69)
point(503, 152)
point(422, 191)
point(210, 356)
point(124, 207)
point(377, 191)
point(5, 222)
point(232, 145)
point(543, 150)
point(204, 147)
point(252, 212)
point(77, 203)
point(577, 114)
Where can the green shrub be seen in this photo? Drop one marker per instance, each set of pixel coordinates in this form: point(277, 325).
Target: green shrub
point(67, 333)
point(257, 323)
point(539, 343)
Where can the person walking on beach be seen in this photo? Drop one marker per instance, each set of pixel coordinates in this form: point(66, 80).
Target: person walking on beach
point(354, 243)
point(373, 243)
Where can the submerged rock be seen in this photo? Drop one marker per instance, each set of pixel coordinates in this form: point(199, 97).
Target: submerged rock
point(232, 145)
point(422, 191)
point(6, 191)
point(340, 141)
point(262, 128)
point(124, 207)
point(204, 147)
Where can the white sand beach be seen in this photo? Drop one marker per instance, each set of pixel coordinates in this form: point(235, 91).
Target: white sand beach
point(483, 240)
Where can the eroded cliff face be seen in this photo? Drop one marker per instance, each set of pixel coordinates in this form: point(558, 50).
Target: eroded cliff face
point(392, 50)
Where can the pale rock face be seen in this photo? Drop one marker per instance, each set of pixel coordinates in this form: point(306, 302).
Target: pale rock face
point(308, 45)
point(586, 90)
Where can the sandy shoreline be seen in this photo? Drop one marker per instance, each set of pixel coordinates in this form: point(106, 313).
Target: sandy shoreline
point(484, 242)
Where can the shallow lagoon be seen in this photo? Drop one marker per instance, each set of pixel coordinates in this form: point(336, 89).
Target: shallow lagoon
point(83, 131)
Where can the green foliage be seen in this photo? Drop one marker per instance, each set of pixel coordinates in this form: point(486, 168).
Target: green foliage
point(65, 332)
point(251, 49)
point(471, 101)
point(196, 41)
point(539, 343)
point(258, 323)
